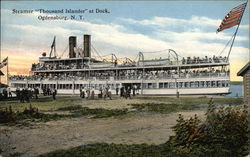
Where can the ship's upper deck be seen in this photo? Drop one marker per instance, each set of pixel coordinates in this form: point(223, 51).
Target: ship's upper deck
point(47, 65)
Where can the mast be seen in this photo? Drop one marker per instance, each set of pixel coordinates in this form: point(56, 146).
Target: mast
point(8, 72)
point(53, 47)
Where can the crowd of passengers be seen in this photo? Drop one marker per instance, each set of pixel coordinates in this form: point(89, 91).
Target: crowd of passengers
point(130, 74)
point(198, 60)
point(81, 65)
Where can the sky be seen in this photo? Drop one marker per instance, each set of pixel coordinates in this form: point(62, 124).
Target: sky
point(129, 27)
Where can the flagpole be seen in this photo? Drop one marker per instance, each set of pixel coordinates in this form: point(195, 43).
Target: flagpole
point(236, 34)
point(232, 42)
point(0, 70)
point(8, 72)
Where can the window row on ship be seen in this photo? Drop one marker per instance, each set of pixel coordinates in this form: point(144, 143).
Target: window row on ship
point(159, 85)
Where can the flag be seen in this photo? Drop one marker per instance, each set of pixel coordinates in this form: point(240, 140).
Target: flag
point(4, 62)
point(232, 18)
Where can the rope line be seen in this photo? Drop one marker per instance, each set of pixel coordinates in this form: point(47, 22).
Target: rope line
point(64, 51)
point(226, 45)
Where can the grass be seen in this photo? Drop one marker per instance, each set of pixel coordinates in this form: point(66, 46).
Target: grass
point(47, 104)
point(43, 103)
point(162, 108)
point(195, 100)
point(8, 116)
point(79, 110)
point(193, 144)
point(70, 108)
point(100, 112)
point(112, 150)
point(98, 108)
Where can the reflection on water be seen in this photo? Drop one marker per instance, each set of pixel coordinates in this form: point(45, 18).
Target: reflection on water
point(236, 90)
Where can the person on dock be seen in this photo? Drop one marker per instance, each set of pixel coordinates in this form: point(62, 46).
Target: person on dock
point(100, 93)
point(117, 90)
point(122, 91)
point(5, 93)
point(134, 88)
point(128, 93)
point(104, 92)
point(44, 91)
point(36, 92)
point(48, 91)
point(88, 93)
point(109, 94)
point(54, 92)
point(22, 95)
point(92, 94)
point(81, 92)
point(9, 92)
point(26, 95)
point(18, 93)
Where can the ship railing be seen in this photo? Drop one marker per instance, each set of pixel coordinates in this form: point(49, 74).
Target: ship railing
point(130, 77)
point(184, 61)
point(172, 76)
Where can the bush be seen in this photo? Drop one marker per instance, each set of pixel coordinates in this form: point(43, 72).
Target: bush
point(224, 133)
point(32, 113)
point(7, 115)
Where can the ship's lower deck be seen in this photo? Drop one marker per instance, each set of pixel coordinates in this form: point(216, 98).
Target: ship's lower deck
point(194, 86)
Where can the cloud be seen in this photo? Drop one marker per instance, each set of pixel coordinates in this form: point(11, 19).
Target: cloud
point(167, 22)
point(197, 35)
point(164, 21)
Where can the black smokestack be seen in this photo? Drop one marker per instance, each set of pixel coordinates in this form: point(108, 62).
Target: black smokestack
point(87, 45)
point(72, 45)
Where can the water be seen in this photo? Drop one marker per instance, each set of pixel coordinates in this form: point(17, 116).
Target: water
point(236, 90)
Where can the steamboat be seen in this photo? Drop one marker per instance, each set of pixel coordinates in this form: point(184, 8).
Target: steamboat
point(163, 76)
